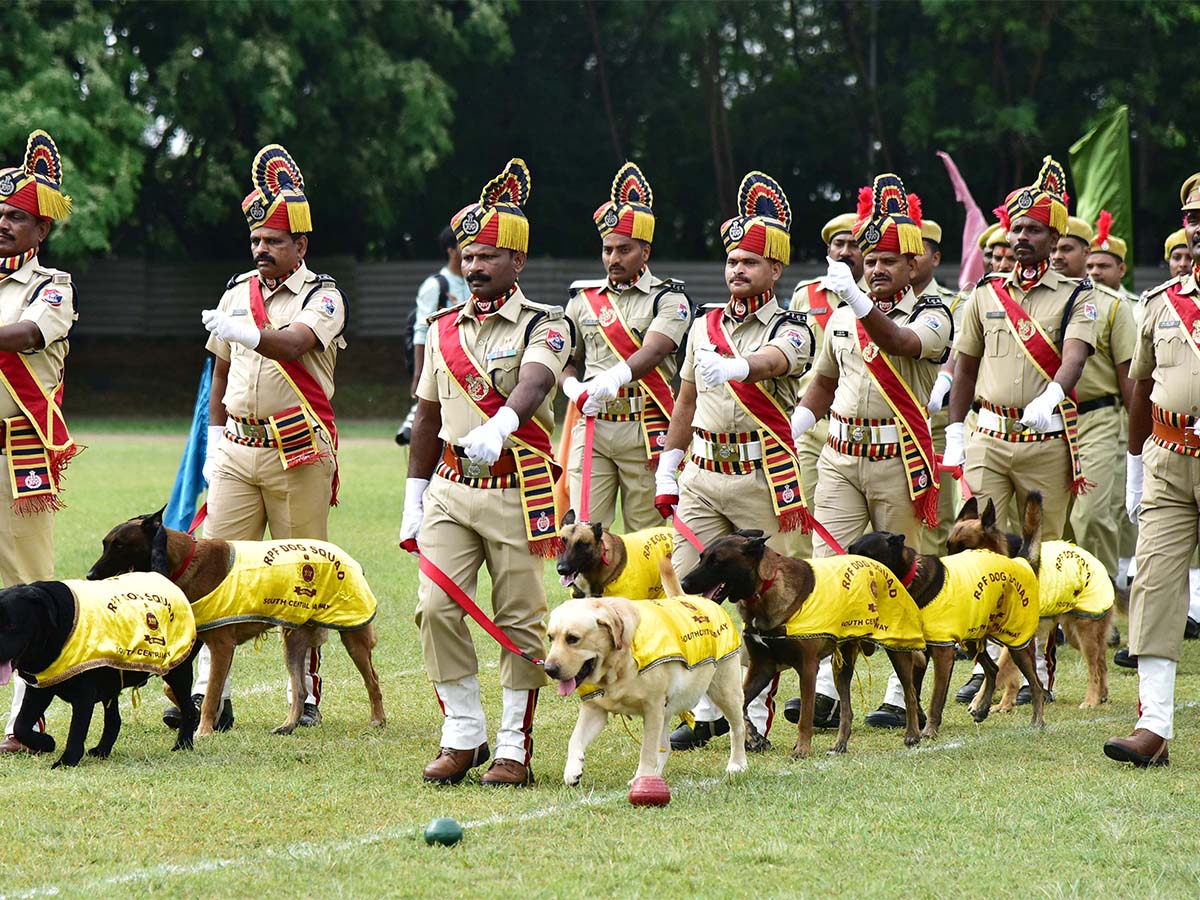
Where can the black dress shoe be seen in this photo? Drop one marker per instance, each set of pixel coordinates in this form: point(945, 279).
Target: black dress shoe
point(967, 692)
point(1125, 659)
point(826, 713)
point(1025, 696)
point(891, 716)
point(310, 717)
point(791, 710)
point(1191, 630)
point(685, 737)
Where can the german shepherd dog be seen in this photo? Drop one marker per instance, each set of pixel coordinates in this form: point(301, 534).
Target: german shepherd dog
point(769, 588)
point(133, 545)
point(927, 576)
point(592, 557)
point(36, 621)
point(973, 529)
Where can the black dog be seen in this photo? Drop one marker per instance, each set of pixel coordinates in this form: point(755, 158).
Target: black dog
point(36, 621)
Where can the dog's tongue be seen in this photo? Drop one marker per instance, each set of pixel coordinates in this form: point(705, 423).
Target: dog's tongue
point(566, 580)
point(5, 672)
point(566, 688)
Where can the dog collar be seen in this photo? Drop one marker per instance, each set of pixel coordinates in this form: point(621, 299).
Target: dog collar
point(912, 573)
point(178, 573)
point(764, 587)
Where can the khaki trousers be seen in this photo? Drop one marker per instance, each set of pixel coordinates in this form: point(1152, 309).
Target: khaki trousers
point(808, 451)
point(1096, 515)
point(949, 500)
point(463, 528)
point(713, 505)
point(1000, 471)
point(618, 465)
point(1167, 538)
point(860, 495)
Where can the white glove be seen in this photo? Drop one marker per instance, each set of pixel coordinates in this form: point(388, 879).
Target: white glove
point(954, 455)
point(939, 392)
point(484, 442)
point(1134, 480)
point(216, 434)
point(839, 279)
point(572, 387)
point(802, 420)
point(414, 512)
point(1040, 409)
point(229, 328)
point(666, 482)
point(715, 369)
point(605, 385)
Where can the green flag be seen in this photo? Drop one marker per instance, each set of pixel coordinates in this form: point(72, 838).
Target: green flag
point(1102, 180)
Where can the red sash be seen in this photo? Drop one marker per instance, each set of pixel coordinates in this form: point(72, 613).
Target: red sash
point(1189, 315)
point(819, 306)
point(307, 388)
point(916, 441)
point(624, 343)
point(40, 446)
point(779, 451)
point(536, 468)
point(1046, 358)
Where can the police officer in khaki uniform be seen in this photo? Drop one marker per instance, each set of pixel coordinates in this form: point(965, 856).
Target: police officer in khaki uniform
point(1163, 493)
point(741, 374)
point(482, 434)
point(629, 324)
point(813, 298)
point(37, 308)
point(1026, 436)
point(276, 333)
point(874, 381)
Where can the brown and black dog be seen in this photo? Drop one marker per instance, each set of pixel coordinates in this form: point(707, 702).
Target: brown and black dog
point(199, 567)
point(769, 589)
point(1070, 579)
point(594, 562)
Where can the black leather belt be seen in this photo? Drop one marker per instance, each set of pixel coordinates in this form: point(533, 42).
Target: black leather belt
point(1104, 402)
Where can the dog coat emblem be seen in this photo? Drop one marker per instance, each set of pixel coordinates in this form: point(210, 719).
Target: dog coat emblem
point(151, 621)
point(308, 573)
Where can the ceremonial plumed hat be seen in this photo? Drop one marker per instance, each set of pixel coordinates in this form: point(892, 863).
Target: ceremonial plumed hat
point(1174, 239)
point(987, 233)
point(888, 219)
point(497, 219)
point(1105, 241)
point(931, 231)
point(1079, 229)
point(838, 224)
point(277, 200)
point(630, 209)
point(1189, 194)
point(764, 221)
point(36, 185)
point(1045, 200)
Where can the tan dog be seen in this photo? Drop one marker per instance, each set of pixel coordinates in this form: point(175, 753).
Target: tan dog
point(594, 562)
point(649, 658)
point(1075, 590)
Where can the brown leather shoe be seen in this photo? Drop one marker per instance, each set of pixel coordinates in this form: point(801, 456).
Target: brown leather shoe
point(11, 745)
point(1143, 748)
point(451, 766)
point(507, 772)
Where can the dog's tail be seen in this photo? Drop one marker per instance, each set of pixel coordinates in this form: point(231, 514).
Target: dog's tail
point(670, 581)
point(1031, 531)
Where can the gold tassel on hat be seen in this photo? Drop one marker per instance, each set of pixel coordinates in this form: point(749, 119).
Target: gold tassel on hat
point(299, 216)
point(777, 244)
point(52, 203)
point(512, 231)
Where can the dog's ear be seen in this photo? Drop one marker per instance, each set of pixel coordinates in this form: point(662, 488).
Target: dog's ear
point(598, 532)
point(750, 533)
point(989, 516)
point(158, 552)
point(620, 626)
point(756, 547)
point(970, 510)
point(569, 518)
point(153, 522)
point(896, 541)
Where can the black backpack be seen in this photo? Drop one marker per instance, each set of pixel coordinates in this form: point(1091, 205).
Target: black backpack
point(445, 299)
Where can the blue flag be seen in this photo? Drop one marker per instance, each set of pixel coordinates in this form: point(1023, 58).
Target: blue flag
point(189, 481)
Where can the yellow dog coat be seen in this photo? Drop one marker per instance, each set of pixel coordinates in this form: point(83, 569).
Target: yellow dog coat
point(641, 579)
point(139, 622)
point(984, 595)
point(858, 598)
point(1073, 581)
point(692, 630)
point(290, 583)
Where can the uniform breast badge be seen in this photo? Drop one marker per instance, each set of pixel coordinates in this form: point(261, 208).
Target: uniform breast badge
point(477, 387)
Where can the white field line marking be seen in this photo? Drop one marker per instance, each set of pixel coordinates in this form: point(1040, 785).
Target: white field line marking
point(308, 849)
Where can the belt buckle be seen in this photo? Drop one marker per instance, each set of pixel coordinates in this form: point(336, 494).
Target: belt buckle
point(618, 406)
point(472, 469)
point(858, 434)
point(1014, 426)
point(726, 452)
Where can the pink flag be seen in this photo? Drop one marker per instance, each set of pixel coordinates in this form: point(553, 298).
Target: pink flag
point(971, 269)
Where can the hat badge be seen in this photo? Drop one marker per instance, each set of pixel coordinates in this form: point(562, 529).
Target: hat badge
point(6, 185)
point(610, 218)
point(872, 234)
point(736, 231)
point(1025, 201)
point(257, 212)
point(470, 225)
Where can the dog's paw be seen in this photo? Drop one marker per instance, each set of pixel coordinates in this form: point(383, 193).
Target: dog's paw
point(837, 749)
point(911, 740)
point(63, 761)
point(378, 723)
point(285, 728)
point(572, 775)
point(100, 752)
point(929, 733)
point(980, 714)
point(38, 742)
point(182, 744)
point(799, 752)
point(736, 768)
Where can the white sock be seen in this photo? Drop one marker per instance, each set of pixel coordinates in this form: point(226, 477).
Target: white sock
point(895, 692)
point(514, 739)
point(1156, 692)
point(464, 726)
point(826, 686)
point(203, 665)
point(1194, 602)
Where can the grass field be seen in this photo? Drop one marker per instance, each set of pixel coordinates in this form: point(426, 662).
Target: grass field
point(987, 810)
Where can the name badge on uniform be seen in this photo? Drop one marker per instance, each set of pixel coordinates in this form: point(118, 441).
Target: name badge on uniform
point(840, 333)
point(505, 353)
point(819, 310)
point(1173, 323)
point(996, 314)
point(592, 321)
point(239, 312)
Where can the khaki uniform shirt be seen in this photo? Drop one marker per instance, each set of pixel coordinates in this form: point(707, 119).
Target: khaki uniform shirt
point(1007, 377)
point(770, 325)
point(499, 345)
point(857, 395)
point(256, 389)
point(1163, 352)
point(637, 307)
point(1115, 337)
point(46, 297)
point(824, 302)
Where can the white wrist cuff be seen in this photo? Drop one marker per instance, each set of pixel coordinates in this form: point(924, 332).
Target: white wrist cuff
point(803, 419)
point(860, 304)
point(669, 460)
point(506, 420)
point(622, 371)
point(945, 375)
point(572, 387)
point(954, 430)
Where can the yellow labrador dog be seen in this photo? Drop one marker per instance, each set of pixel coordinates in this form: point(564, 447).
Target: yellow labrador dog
point(649, 658)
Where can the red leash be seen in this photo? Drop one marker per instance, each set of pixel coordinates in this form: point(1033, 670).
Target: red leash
point(585, 479)
point(824, 535)
point(682, 528)
point(201, 515)
point(959, 476)
point(459, 596)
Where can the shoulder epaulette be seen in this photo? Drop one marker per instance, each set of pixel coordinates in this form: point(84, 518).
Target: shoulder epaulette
point(237, 279)
point(1158, 289)
point(441, 312)
point(983, 280)
point(1106, 290)
point(718, 305)
point(324, 280)
point(550, 309)
point(671, 284)
point(584, 283)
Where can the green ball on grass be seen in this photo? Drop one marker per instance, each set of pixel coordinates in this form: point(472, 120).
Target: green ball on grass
point(446, 832)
